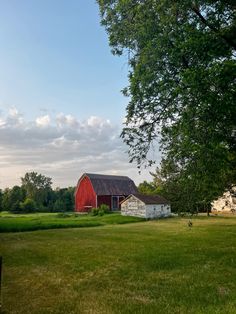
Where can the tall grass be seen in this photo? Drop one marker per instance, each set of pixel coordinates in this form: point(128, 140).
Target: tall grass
point(31, 222)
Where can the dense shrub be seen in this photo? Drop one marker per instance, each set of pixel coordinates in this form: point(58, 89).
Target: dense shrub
point(16, 207)
point(28, 206)
point(59, 205)
point(94, 211)
point(100, 211)
point(105, 208)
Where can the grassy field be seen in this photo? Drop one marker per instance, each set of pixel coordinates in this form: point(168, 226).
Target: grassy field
point(148, 267)
point(40, 221)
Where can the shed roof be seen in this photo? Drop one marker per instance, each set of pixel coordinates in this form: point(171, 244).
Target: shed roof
point(149, 199)
point(111, 185)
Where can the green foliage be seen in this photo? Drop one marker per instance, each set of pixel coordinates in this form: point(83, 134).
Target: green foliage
point(105, 208)
point(59, 206)
point(37, 187)
point(63, 199)
point(1, 197)
point(185, 193)
point(182, 89)
point(100, 211)
point(146, 188)
point(94, 211)
point(28, 206)
point(11, 198)
point(16, 207)
point(6, 200)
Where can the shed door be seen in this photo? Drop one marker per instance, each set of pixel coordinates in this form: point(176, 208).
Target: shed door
point(115, 202)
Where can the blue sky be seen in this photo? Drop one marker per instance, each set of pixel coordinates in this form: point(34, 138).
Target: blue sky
point(55, 55)
point(59, 85)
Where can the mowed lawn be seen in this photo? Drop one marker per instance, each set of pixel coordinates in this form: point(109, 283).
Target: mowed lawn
point(147, 267)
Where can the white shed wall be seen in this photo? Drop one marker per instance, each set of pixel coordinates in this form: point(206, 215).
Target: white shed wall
point(135, 207)
point(157, 211)
point(226, 203)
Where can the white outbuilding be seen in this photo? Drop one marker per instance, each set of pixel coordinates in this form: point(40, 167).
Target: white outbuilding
point(145, 206)
point(226, 203)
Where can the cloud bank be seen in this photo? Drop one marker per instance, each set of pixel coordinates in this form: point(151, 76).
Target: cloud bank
point(61, 147)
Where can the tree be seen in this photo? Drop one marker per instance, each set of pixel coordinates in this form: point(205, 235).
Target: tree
point(59, 206)
point(151, 188)
point(5, 200)
point(64, 199)
point(28, 206)
point(37, 187)
point(1, 196)
point(146, 188)
point(12, 198)
point(182, 58)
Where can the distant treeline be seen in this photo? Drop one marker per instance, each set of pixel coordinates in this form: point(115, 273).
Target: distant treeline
point(36, 194)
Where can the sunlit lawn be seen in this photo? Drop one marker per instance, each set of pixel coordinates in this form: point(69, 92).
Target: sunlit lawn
point(147, 267)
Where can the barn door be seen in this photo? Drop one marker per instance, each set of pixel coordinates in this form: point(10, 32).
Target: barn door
point(115, 202)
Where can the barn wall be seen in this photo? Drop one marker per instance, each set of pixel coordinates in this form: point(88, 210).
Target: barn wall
point(104, 199)
point(107, 199)
point(133, 207)
point(157, 211)
point(85, 195)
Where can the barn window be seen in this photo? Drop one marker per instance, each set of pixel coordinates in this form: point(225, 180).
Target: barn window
point(115, 202)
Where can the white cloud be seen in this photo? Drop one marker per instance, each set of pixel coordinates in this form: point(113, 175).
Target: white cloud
point(2, 122)
point(63, 120)
point(62, 148)
point(94, 121)
point(14, 118)
point(43, 121)
point(13, 112)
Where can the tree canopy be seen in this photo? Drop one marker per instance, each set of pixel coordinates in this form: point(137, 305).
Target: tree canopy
point(37, 187)
point(182, 91)
point(36, 194)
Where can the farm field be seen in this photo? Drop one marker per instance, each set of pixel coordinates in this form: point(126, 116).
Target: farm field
point(40, 221)
point(158, 266)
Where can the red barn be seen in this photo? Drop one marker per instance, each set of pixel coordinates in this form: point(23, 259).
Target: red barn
point(96, 189)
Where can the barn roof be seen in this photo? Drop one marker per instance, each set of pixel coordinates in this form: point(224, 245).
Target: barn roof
point(111, 185)
point(149, 199)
